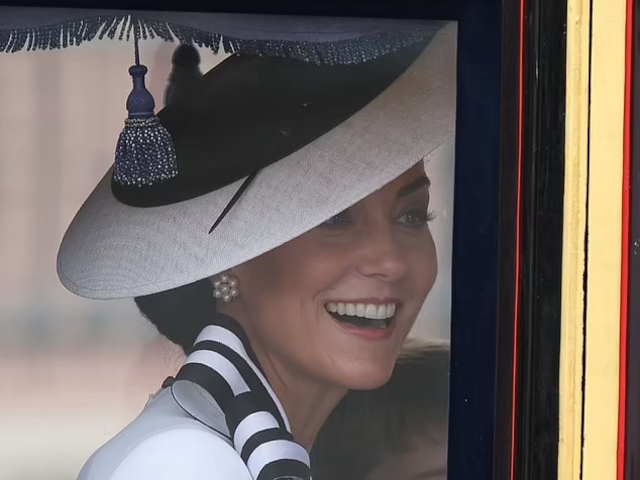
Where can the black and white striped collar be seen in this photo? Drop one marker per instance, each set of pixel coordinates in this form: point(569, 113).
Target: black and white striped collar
point(222, 385)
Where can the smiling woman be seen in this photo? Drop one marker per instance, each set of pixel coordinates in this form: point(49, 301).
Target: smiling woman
point(309, 161)
point(275, 359)
point(310, 307)
point(374, 259)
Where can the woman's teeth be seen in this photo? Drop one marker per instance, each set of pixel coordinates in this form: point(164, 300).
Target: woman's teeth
point(364, 310)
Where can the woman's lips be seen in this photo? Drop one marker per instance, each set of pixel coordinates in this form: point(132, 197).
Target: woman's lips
point(368, 332)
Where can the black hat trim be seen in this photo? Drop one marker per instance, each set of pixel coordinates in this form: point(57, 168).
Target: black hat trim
point(252, 111)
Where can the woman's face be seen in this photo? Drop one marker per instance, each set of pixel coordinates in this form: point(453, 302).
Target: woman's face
point(335, 304)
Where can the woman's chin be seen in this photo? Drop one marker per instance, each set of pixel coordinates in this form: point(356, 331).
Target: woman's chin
point(367, 377)
point(354, 361)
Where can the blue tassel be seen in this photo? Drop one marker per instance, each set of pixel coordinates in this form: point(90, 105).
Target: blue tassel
point(145, 154)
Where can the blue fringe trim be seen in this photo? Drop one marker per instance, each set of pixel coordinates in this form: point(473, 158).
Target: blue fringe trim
point(82, 30)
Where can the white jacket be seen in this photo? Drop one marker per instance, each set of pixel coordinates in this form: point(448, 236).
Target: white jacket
point(219, 420)
point(166, 443)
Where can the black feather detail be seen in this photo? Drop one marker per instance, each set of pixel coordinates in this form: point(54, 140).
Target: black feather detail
point(234, 199)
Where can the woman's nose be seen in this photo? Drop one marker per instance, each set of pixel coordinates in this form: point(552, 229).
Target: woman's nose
point(382, 256)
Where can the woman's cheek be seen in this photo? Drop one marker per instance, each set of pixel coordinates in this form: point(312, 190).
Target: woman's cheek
point(422, 256)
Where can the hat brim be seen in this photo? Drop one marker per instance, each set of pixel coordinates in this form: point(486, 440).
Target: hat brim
point(112, 250)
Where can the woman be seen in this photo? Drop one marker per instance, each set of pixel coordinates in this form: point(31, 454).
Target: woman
point(315, 269)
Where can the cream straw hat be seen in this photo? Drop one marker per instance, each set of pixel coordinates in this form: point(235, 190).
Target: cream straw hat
point(115, 248)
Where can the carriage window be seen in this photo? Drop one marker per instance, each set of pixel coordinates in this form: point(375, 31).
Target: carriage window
point(255, 211)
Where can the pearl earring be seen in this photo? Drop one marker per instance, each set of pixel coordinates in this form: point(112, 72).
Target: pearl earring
point(225, 287)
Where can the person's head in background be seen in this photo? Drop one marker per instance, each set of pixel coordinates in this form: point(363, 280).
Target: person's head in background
point(395, 432)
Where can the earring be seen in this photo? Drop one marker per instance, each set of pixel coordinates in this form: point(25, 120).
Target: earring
point(225, 287)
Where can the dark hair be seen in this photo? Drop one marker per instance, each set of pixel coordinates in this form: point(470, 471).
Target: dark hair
point(180, 314)
point(368, 427)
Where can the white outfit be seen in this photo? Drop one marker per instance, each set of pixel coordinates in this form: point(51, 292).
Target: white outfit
point(166, 443)
point(219, 420)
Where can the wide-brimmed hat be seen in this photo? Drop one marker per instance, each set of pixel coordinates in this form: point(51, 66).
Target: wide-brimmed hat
point(118, 246)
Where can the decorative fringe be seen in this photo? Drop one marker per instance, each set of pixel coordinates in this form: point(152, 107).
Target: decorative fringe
point(145, 154)
point(82, 30)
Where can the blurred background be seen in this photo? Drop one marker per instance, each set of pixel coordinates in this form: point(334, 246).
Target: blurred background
point(75, 371)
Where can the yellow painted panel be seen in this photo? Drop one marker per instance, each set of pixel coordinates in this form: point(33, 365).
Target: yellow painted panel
point(604, 240)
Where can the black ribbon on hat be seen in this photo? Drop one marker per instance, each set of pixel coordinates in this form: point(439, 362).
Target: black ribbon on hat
point(242, 116)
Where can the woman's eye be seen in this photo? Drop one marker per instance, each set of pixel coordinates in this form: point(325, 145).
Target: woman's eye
point(340, 220)
point(417, 217)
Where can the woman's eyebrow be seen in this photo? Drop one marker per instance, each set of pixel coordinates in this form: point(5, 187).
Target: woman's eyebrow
point(413, 186)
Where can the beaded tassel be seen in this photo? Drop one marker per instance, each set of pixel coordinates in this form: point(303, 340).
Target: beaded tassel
point(145, 154)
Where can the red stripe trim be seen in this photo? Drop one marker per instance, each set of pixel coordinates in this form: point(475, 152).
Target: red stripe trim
point(624, 293)
point(516, 308)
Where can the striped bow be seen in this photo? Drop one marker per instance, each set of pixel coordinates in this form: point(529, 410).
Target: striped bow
point(222, 379)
